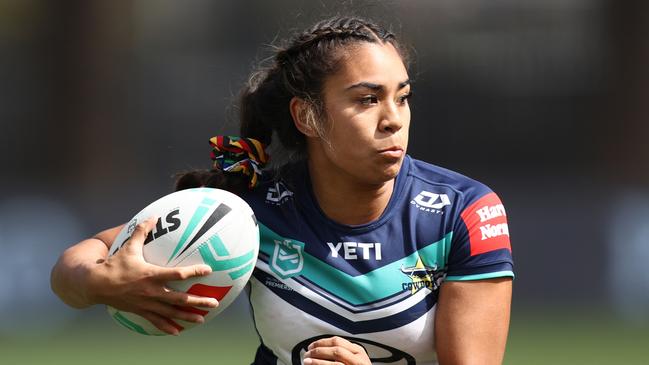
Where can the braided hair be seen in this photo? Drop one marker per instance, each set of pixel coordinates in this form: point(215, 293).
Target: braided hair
point(298, 69)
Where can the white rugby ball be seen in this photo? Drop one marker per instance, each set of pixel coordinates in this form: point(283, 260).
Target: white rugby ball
point(197, 226)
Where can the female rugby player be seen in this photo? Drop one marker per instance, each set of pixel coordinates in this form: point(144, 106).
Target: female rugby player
point(398, 260)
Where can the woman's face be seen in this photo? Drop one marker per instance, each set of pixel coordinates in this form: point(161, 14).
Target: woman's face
point(367, 115)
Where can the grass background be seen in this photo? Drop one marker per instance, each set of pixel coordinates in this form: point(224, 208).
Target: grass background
point(535, 338)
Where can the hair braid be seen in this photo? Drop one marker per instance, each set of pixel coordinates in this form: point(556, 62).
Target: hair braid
point(299, 69)
point(313, 55)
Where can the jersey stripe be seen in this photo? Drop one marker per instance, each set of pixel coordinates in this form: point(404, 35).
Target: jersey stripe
point(490, 275)
point(400, 302)
point(332, 282)
point(354, 327)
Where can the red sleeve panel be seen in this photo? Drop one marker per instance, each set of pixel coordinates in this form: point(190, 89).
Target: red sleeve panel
point(486, 221)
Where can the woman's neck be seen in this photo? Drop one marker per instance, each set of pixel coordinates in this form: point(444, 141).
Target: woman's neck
point(346, 200)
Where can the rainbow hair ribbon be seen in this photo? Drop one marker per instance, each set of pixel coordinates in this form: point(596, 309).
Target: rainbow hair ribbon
point(240, 155)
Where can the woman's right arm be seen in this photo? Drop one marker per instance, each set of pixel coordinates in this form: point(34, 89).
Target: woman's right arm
point(84, 275)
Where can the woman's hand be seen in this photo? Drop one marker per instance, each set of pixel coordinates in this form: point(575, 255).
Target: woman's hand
point(335, 350)
point(126, 282)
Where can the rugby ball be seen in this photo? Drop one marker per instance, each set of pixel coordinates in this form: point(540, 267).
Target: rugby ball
point(196, 226)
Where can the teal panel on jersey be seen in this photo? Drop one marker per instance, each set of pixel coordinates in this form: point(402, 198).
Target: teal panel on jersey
point(359, 289)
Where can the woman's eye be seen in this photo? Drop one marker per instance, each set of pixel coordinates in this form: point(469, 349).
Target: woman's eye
point(369, 100)
point(404, 98)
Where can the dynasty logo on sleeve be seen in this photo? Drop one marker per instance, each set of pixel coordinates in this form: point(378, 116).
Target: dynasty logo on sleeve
point(486, 221)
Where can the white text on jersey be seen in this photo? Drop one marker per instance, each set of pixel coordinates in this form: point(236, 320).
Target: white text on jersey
point(431, 202)
point(489, 212)
point(350, 250)
point(489, 231)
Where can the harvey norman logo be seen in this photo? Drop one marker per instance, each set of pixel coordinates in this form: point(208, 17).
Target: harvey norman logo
point(486, 221)
point(489, 212)
point(431, 202)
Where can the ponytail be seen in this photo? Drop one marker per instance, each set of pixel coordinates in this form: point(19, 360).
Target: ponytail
point(298, 69)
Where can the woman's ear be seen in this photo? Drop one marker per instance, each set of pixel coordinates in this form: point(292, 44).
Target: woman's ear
point(302, 114)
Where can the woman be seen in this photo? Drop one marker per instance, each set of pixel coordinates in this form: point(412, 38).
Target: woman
point(393, 260)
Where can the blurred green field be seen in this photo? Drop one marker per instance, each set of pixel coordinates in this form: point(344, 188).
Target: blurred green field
point(575, 338)
point(534, 339)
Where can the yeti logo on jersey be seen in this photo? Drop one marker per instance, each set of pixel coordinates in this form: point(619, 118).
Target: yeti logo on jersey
point(431, 202)
point(356, 250)
point(422, 276)
point(277, 194)
point(288, 259)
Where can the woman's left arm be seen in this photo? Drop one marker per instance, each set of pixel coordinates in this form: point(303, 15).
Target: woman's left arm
point(472, 321)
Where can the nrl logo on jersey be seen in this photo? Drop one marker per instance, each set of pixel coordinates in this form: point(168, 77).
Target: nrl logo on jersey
point(278, 194)
point(431, 202)
point(288, 258)
point(422, 276)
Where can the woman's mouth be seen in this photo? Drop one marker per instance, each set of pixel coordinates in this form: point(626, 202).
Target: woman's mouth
point(392, 152)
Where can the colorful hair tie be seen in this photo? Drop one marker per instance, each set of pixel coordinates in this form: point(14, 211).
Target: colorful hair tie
point(238, 154)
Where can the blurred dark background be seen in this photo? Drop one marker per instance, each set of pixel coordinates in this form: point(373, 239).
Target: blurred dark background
point(101, 102)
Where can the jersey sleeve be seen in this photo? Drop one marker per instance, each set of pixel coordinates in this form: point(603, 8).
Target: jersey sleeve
point(480, 248)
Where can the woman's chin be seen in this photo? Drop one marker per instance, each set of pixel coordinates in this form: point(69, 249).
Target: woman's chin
point(389, 172)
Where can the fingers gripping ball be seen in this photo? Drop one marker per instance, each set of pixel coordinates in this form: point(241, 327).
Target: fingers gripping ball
point(196, 226)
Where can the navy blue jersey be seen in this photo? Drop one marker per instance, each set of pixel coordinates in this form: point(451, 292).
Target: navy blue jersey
point(377, 283)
